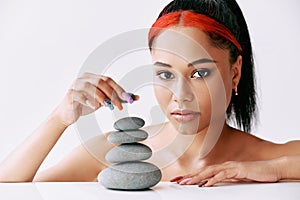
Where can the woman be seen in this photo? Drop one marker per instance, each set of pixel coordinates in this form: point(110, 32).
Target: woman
point(204, 77)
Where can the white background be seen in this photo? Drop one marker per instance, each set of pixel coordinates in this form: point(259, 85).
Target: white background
point(43, 45)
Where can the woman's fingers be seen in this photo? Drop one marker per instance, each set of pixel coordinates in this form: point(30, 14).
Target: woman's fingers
point(204, 174)
point(104, 90)
point(209, 176)
point(261, 171)
point(85, 99)
point(78, 96)
point(99, 81)
point(176, 179)
point(221, 176)
point(110, 89)
point(88, 93)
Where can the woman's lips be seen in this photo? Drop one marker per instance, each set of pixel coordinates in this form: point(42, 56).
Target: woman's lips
point(184, 116)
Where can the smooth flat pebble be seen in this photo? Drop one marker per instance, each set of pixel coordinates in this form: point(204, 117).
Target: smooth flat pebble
point(128, 152)
point(122, 137)
point(130, 176)
point(129, 123)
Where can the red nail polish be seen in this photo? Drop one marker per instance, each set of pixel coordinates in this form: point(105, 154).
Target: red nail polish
point(202, 183)
point(176, 179)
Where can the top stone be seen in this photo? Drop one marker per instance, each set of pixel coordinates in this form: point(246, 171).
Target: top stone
point(129, 123)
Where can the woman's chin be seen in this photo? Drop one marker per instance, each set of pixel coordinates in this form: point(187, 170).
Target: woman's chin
point(191, 128)
point(185, 132)
point(188, 128)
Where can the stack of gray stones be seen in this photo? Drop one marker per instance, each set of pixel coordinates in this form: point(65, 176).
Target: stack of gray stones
point(129, 170)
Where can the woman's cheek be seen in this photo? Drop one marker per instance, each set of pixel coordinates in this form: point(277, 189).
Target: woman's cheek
point(203, 101)
point(163, 95)
point(218, 98)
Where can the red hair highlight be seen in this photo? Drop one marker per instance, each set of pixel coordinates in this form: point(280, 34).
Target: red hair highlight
point(192, 19)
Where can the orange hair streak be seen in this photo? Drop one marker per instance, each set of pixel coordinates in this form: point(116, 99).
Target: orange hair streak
point(192, 19)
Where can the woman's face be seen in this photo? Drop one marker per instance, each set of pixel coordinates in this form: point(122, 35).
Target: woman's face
point(193, 79)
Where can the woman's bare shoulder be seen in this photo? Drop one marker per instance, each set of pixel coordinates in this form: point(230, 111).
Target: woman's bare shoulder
point(248, 138)
point(248, 147)
point(267, 149)
point(289, 148)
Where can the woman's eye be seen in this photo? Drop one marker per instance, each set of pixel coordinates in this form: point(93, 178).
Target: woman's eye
point(200, 73)
point(165, 75)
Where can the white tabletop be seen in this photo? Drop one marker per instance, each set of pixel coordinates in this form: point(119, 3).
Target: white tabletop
point(162, 191)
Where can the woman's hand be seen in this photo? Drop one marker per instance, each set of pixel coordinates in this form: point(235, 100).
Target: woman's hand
point(87, 94)
point(259, 171)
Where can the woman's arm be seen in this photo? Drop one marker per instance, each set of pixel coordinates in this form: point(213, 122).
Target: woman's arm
point(283, 168)
point(82, 164)
point(290, 162)
point(86, 95)
point(289, 167)
point(23, 163)
point(283, 164)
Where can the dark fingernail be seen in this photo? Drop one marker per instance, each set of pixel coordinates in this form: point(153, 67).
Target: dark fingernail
point(111, 107)
point(132, 96)
point(128, 97)
point(176, 179)
point(202, 184)
point(108, 104)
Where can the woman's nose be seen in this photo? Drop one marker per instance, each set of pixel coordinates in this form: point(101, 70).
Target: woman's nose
point(182, 91)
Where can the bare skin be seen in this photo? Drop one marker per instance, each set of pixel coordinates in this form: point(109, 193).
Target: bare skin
point(235, 155)
point(80, 165)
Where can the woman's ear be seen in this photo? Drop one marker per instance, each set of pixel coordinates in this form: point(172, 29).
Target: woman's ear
point(236, 72)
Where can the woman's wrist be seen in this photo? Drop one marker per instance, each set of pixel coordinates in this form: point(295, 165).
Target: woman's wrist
point(281, 166)
point(55, 119)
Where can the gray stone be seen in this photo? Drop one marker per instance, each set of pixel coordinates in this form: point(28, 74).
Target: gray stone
point(121, 137)
point(130, 176)
point(129, 123)
point(128, 152)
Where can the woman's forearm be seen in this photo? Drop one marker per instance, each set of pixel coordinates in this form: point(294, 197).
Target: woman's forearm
point(22, 164)
point(87, 94)
point(289, 167)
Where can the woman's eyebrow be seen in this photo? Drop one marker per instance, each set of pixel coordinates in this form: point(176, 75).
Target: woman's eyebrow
point(201, 61)
point(161, 64)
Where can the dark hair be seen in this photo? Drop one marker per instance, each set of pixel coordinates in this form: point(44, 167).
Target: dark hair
point(242, 108)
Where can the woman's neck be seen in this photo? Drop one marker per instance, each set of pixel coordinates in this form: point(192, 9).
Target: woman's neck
point(207, 145)
point(170, 146)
